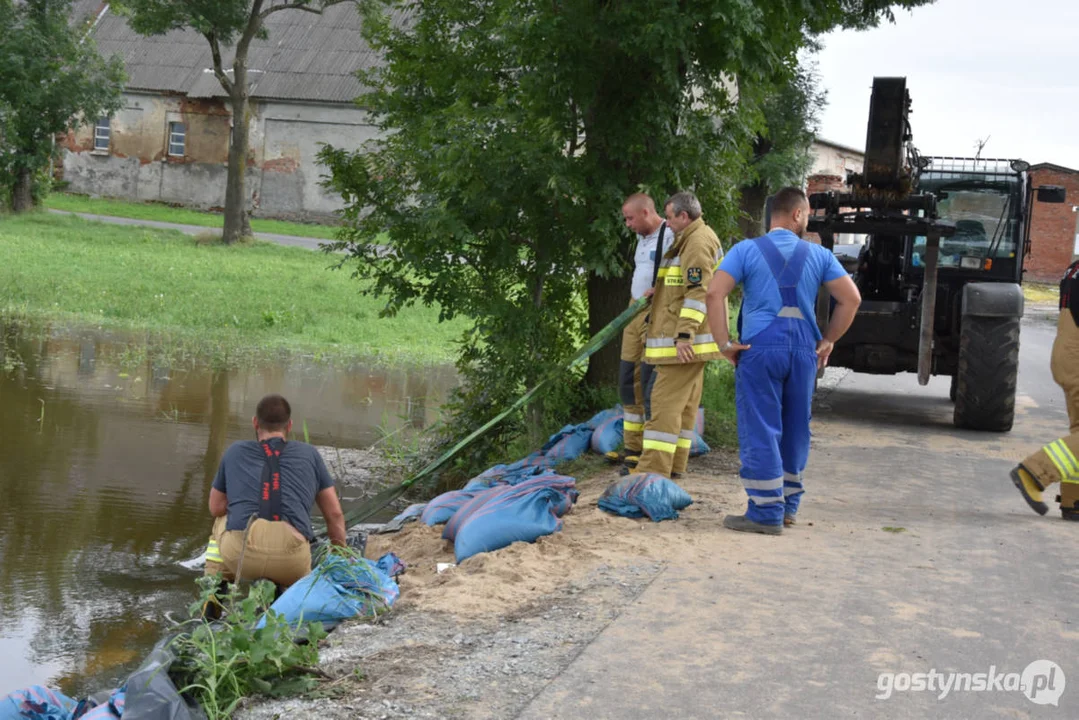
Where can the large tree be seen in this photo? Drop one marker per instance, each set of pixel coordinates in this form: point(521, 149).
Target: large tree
point(514, 130)
point(51, 78)
point(782, 149)
point(226, 25)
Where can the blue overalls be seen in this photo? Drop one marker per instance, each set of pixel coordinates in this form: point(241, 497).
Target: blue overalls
point(773, 396)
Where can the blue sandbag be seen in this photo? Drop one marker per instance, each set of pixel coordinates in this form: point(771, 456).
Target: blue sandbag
point(503, 515)
point(503, 475)
point(390, 565)
point(536, 459)
point(337, 589)
point(568, 443)
point(442, 508)
point(607, 437)
point(603, 416)
point(37, 702)
point(111, 710)
point(699, 446)
point(645, 495)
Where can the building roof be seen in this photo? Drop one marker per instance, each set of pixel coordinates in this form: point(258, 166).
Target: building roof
point(838, 146)
point(1051, 166)
point(305, 57)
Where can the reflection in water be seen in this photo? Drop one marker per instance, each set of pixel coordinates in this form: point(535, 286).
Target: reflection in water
point(107, 464)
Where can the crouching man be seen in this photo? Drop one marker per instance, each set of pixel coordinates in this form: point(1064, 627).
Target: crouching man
point(262, 498)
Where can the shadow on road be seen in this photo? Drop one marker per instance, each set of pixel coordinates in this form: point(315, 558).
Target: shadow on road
point(891, 409)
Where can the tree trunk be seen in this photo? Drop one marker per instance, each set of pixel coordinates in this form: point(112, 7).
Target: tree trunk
point(752, 205)
point(607, 298)
point(237, 224)
point(22, 196)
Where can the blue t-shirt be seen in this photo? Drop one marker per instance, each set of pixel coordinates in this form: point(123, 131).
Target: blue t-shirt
point(761, 300)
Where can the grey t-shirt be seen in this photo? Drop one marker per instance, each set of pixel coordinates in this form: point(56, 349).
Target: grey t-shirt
point(303, 475)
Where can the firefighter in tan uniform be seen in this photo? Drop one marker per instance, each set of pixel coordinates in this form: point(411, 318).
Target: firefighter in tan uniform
point(677, 340)
point(653, 238)
point(1059, 460)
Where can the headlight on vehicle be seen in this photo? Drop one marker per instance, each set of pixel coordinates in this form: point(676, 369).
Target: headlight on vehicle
point(970, 262)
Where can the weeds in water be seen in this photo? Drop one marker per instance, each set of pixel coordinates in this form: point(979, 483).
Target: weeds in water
point(219, 663)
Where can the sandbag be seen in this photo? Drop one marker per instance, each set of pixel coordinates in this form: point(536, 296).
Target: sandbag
point(533, 460)
point(37, 702)
point(603, 416)
point(442, 508)
point(699, 446)
point(111, 709)
point(503, 475)
point(506, 514)
point(607, 437)
point(568, 443)
point(337, 589)
point(645, 495)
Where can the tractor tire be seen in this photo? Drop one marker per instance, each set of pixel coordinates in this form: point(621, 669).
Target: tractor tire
point(988, 373)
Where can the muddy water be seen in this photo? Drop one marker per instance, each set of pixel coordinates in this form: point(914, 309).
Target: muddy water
point(105, 465)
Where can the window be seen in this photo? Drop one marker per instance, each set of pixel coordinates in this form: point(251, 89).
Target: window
point(176, 139)
point(102, 133)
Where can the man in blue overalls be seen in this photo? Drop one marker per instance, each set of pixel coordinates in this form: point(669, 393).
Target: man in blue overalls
point(779, 354)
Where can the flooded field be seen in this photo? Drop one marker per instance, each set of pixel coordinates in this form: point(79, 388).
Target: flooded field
point(106, 465)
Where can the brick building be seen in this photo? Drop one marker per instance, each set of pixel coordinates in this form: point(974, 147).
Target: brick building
point(1054, 234)
point(828, 173)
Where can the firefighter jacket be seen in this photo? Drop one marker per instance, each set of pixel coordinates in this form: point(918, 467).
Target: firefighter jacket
point(678, 309)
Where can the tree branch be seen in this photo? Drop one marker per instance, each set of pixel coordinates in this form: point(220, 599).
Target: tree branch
point(254, 22)
point(305, 6)
point(219, 70)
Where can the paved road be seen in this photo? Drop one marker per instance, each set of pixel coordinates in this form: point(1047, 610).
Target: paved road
point(291, 240)
point(964, 579)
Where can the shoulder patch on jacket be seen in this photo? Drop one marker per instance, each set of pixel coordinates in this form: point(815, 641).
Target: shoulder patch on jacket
point(694, 275)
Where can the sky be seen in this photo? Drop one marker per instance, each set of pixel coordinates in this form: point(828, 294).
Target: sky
point(1002, 70)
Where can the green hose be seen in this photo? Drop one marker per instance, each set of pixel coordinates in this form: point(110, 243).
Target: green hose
point(609, 332)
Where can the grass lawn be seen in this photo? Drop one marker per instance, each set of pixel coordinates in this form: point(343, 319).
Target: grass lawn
point(209, 298)
point(1041, 293)
point(184, 216)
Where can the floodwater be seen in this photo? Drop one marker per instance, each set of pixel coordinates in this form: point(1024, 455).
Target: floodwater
point(105, 466)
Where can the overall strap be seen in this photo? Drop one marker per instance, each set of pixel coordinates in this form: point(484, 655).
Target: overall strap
point(270, 491)
point(659, 252)
point(787, 273)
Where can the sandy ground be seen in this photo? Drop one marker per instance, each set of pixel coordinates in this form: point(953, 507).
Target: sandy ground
point(482, 638)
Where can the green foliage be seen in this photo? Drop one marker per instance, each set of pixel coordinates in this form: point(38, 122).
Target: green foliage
point(792, 120)
point(53, 79)
point(221, 663)
point(514, 131)
point(717, 399)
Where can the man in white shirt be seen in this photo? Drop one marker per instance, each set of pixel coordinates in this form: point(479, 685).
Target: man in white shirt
point(639, 213)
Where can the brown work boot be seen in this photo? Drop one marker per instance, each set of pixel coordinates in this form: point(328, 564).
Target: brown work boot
point(742, 524)
point(1029, 488)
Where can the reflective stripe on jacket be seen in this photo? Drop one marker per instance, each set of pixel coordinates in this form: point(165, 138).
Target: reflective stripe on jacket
point(678, 303)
